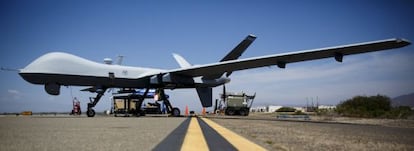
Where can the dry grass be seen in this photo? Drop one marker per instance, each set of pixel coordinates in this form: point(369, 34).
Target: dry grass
point(288, 135)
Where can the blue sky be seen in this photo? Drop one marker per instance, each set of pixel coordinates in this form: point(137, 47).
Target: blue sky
point(147, 32)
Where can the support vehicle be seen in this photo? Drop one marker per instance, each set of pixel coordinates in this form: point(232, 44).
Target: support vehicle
point(236, 103)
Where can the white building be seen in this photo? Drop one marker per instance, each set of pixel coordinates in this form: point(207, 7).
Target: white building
point(268, 108)
point(258, 109)
point(273, 108)
point(328, 107)
point(302, 109)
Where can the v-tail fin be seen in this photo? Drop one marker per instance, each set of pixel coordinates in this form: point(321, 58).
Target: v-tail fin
point(234, 54)
point(181, 61)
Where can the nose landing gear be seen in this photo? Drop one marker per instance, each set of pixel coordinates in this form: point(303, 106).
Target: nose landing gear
point(93, 101)
point(90, 112)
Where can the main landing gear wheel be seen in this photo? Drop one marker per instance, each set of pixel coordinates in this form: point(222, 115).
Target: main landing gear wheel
point(90, 113)
point(231, 112)
point(175, 112)
point(243, 112)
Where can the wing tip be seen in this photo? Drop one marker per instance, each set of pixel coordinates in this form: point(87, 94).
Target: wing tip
point(403, 41)
point(251, 37)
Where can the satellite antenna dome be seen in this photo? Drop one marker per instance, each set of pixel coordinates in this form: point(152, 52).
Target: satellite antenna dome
point(108, 61)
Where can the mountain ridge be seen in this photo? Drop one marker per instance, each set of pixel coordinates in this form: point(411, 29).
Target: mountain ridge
point(403, 100)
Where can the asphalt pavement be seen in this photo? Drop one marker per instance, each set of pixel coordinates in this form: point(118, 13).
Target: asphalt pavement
point(64, 132)
point(82, 133)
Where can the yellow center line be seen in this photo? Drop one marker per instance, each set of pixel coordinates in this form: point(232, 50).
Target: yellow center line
point(236, 140)
point(194, 138)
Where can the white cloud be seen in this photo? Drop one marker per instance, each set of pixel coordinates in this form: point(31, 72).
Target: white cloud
point(13, 91)
point(15, 94)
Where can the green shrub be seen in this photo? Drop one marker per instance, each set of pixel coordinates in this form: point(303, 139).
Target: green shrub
point(372, 107)
point(286, 109)
point(399, 112)
point(299, 112)
point(323, 111)
point(363, 106)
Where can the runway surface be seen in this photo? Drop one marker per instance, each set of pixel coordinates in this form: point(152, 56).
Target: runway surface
point(118, 133)
point(81, 133)
point(170, 133)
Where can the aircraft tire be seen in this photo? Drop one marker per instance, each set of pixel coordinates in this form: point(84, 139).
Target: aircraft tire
point(90, 113)
point(243, 112)
point(231, 111)
point(175, 112)
point(137, 114)
point(142, 113)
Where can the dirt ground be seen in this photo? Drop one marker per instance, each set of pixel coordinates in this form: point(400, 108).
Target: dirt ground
point(324, 133)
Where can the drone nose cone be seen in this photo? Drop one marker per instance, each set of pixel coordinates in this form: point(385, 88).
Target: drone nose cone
point(31, 77)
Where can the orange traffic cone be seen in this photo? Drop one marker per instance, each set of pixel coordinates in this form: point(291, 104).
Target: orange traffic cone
point(186, 110)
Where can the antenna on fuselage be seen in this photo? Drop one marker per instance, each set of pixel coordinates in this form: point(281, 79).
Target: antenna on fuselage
point(120, 59)
point(107, 61)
